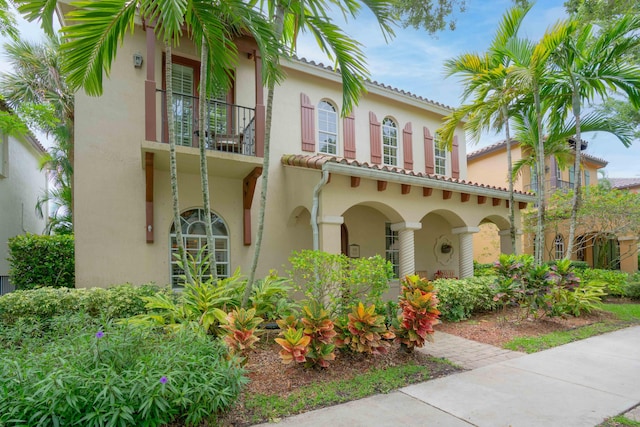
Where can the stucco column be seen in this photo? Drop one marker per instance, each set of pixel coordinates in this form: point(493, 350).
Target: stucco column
point(466, 249)
point(505, 242)
point(628, 254)
point(407, 246)
point(330, 234)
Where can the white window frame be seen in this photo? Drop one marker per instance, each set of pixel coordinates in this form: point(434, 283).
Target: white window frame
point(392, 248)
point(558, 246)
point(327, 128)
point(195, 241)
point(439, 159)
point(389, 142)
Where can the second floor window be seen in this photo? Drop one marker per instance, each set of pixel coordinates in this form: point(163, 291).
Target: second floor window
point(440, 155)
point(572, 176)
point(587, 178)
point(327, 128)
point(389, 142)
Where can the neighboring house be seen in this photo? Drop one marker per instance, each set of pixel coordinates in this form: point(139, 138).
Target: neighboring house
point(21, 183)
point(376, 178)
point(631, 184)
point(489, 165)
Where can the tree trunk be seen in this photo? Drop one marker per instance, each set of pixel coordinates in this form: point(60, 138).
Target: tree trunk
point(204, 172)
point(279, 26)
point(512, 209)
point(173, 168)
point(539, 245)
point(577, 182)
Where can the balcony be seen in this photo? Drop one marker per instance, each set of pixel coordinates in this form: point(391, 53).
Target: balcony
point(234, 135)
point(229, 128)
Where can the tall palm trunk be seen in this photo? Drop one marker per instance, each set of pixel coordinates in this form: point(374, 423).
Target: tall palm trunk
point(577, 182)
point(279, 26)
point(539, 246)
point(204, 172)
point(512, 209)
point(173, 167)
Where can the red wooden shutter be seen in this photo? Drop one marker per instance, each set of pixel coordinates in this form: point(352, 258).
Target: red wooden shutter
point(308, 117)
point(349, 133)
point(429, 157)
point(407, 146)
point(455, 159)
point(375, 137)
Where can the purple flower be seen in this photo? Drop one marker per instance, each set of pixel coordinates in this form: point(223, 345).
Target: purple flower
point(99, 334)
point(163, 380)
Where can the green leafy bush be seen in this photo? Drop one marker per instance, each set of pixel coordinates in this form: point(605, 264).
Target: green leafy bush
point(45, 303)
point(117, 375)
point(584, 298)
point(37, 261)
point(483, 269)
point(632, 290)
point(459, 298)
point(616, 280)
point(339, 282)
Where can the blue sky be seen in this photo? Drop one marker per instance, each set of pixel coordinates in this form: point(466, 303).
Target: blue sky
point(413, 60)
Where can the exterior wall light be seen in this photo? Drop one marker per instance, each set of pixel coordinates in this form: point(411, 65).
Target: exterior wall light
point(137, 60)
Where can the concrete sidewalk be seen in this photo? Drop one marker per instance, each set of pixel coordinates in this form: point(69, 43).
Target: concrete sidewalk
point(578, 384)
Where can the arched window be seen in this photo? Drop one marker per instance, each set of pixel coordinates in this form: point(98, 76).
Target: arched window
point(389, 142)
point(558, 245)
point(195, 238)
point(327, 128)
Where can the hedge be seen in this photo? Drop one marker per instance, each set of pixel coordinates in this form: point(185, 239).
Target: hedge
point(37, 261)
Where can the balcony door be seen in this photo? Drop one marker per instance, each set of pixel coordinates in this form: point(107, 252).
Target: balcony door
point(185, 83)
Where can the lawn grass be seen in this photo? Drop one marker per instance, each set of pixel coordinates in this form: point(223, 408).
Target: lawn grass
point(620, 421)
point(272, 407)
point(626, 314)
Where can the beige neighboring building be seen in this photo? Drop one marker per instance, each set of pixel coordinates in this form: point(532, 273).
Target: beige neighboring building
point(630, 184)
point(376, 179)
point(489, 165)
point(21, 183)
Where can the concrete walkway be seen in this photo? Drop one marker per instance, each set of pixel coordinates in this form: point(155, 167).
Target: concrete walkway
point(578, 384)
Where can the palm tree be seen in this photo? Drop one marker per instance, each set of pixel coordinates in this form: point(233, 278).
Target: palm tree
point(485, 77)
point(530, 71)
point(289, 18)
point(585, 66)
point(37, 86)
point(7, 22)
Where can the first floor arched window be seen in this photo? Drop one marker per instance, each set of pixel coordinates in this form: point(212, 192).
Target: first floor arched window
point(195, 238)
point(558, 245)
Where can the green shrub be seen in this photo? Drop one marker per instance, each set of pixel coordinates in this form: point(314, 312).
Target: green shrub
point(37, 261)
point(45, 303)
point(117, 375)
point(339, 282)
point(483, 269)
point(460, 298)
point(616, 280)
point(633, 290)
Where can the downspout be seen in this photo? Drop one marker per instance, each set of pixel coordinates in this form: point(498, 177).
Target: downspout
point(314, 208)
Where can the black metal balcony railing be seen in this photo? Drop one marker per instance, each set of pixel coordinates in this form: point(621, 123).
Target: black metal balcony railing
point(550, 186)
point(229, 127)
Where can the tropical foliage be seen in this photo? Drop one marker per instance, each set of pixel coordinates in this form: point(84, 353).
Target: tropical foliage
point(36, 261)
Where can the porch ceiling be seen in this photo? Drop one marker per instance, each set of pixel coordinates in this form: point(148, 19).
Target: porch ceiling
point(347, 167)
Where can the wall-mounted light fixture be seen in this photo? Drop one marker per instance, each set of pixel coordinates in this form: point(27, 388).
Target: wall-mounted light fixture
point(445, 248)
point(137, 60)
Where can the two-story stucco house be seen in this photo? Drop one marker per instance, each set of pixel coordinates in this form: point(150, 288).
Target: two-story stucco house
point(21, 183)
point(489, 164)
point(376, 178)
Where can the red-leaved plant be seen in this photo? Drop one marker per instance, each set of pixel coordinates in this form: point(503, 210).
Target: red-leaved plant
point(364, 332)
point(295, 345)
point(418, 302)
point(240, 328)
point(320, 328)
